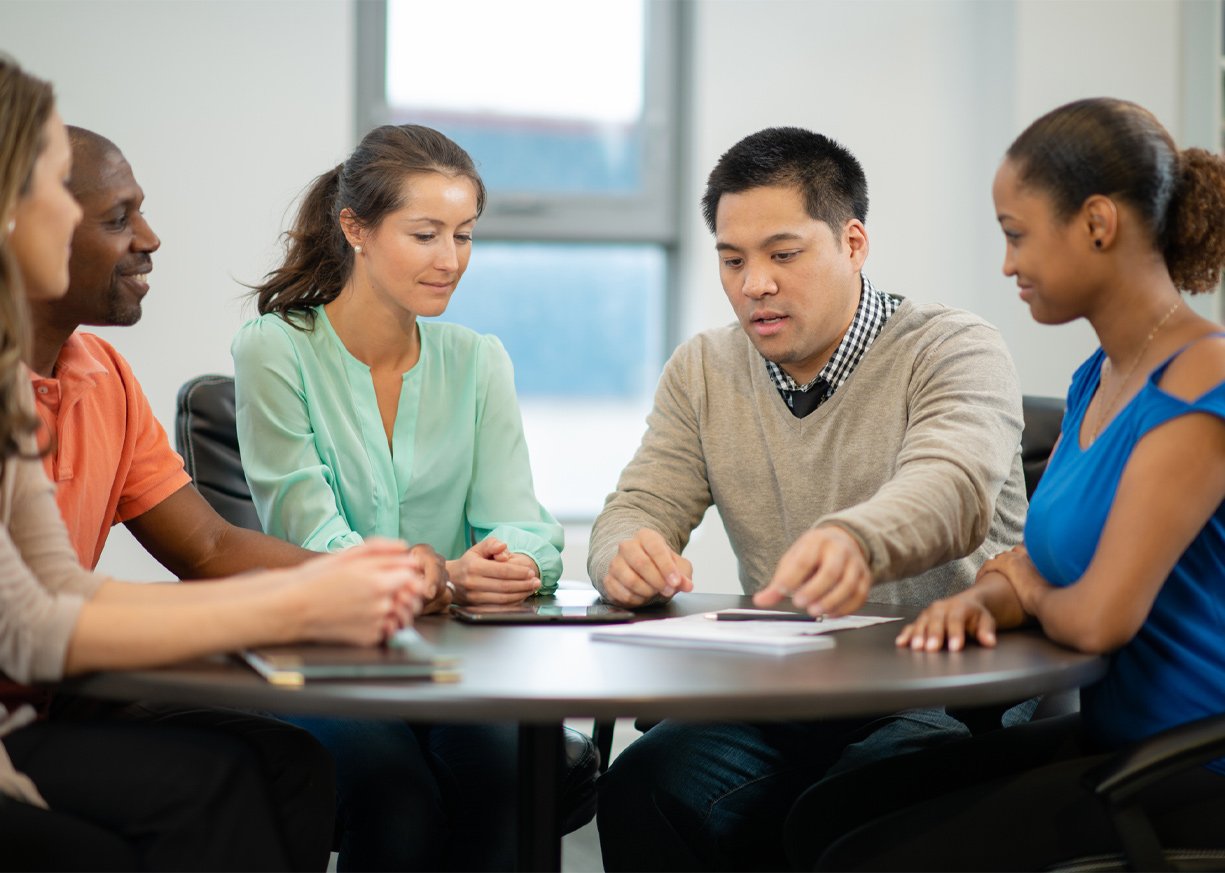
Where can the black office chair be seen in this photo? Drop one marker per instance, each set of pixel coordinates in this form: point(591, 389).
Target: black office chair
point(207, 437)
point(1117, 783)
point(1043, 418)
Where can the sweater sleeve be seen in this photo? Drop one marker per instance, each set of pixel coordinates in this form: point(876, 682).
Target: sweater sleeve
point(665, 486)
point(42, 586)
point(291, 484)
point(501, 501)
point(963, 432)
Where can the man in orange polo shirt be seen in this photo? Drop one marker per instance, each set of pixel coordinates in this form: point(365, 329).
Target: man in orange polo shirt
point(112, 461)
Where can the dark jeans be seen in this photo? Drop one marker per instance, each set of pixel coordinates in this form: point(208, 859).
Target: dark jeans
point(145, 796)
point(422, 797)
point(713, 796)
point(1009, 800)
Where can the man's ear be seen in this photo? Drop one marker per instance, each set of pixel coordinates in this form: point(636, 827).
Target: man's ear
point(855, 239)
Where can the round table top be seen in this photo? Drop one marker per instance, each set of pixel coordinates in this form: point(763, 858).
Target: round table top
point(544, 673)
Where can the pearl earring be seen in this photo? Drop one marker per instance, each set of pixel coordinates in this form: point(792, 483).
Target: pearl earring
point(357, 249)
point(11, 226)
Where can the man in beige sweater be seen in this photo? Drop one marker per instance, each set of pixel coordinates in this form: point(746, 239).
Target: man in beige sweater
point(858, 446)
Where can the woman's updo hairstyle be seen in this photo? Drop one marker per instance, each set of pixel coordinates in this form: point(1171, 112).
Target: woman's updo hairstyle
point(318, 259)
point(1119, 150)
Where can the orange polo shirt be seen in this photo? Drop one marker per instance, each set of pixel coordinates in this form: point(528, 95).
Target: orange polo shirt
point(111, 460)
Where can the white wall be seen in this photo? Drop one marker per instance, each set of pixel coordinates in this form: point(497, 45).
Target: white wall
point(227, 109)
point(928, 95)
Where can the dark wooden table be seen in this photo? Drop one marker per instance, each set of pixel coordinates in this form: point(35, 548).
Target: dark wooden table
point(539, 675)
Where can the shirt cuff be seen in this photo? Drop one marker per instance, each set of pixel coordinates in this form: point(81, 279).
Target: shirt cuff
point(547, 558)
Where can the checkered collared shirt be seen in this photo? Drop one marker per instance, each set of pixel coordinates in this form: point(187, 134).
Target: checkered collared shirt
point(873, 311)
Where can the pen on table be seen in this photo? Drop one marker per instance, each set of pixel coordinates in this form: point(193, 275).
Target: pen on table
point(761, 615)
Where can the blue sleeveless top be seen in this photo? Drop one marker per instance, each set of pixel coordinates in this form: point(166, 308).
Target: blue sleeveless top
point(1173, 671)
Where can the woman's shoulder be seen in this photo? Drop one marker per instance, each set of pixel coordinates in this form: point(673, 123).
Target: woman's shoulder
point(456, 341)
point(273, 324)
point(271, 331)
point(1197, 370)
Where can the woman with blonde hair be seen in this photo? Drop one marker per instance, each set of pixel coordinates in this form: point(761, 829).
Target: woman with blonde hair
point(116, 795)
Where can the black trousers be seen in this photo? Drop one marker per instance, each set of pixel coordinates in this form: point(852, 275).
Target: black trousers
point(161, 788)
point(33, 838)
point(1008, 800)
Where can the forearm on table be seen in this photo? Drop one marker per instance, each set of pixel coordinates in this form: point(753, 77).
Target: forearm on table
point(1083, 618)
point(158, 624)
point(930, 513)
point(238, 550)
point(664, 487)
point(954, 461)
point(199, 594)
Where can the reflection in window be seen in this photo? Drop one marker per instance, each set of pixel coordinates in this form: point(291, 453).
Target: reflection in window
point(577, 320)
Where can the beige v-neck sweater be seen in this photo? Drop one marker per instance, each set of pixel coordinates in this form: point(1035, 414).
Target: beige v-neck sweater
point(917, 455)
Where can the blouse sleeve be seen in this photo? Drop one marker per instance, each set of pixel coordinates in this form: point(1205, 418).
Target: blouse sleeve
point(293, 488)
point(42, 586)
point(501, 500)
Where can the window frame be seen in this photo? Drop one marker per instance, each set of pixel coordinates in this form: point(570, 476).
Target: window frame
point(649, 216)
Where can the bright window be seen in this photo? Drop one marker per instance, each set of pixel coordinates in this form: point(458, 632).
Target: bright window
point(568, 109)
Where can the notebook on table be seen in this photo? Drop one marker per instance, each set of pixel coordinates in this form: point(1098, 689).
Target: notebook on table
point(405, 656)
point(766, 637)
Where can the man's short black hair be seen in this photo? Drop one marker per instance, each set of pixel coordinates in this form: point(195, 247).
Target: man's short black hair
point(828, 176)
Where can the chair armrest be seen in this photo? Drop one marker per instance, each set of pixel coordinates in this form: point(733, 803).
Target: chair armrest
point(1123, 775)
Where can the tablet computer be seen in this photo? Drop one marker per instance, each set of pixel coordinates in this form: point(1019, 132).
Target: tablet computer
point(405, 656)
point(538, 613)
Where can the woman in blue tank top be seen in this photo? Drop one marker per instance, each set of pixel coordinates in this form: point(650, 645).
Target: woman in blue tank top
point(1103, 219)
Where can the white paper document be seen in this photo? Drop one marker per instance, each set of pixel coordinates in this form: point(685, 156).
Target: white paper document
point(771, 637)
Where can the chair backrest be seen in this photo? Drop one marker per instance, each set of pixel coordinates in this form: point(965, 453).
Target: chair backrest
point(207, 438)
point(1043, 419)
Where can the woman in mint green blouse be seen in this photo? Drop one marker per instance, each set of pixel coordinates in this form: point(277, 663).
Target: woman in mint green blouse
point(325, 475)
point(356, 419)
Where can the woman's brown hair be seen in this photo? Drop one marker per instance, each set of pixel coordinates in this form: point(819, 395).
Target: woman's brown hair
point(370, 184)
point(1118, 149)
point(25, 105)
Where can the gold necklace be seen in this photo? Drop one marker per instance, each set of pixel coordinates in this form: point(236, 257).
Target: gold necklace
point(1104, 407)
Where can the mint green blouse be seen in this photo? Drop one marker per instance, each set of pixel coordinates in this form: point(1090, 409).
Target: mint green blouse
point(317, 460)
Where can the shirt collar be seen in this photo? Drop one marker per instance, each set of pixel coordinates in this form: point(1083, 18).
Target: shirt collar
point(874, 309)
point(76, 364)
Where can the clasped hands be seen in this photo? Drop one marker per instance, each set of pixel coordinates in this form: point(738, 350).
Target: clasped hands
point(487, 573)
point(365, 594)
point(490, 573)
point(824, 572)
point(1003, 594)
